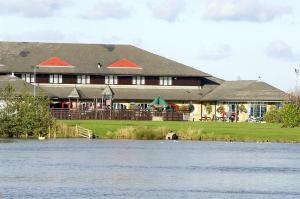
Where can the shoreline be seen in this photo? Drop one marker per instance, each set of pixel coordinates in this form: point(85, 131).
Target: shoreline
point(197, 131)
point(11, 140)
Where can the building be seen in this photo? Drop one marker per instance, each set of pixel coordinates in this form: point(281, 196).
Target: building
point(96, 76)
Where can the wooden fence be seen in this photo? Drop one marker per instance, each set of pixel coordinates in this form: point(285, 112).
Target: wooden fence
point(84, 132)
point(69, 114)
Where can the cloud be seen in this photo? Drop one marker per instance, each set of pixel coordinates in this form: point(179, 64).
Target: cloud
point(113, 9)
point(36, 36)
point(221, 52)
point(245, 10)
point(283, 51)
point(31, 8)
point(168, 10)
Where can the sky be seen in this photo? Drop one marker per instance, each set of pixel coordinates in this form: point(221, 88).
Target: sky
point(230, 39)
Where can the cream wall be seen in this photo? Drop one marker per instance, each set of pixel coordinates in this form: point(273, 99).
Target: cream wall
point(196, 114)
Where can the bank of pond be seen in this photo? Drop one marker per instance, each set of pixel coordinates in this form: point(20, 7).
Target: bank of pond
point(157, 130)
point(210, 131)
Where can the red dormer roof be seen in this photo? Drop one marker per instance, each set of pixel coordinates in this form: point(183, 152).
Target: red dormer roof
point(124, 63)
point(54, 62)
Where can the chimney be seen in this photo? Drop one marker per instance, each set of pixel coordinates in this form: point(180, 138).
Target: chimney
point(99, 65)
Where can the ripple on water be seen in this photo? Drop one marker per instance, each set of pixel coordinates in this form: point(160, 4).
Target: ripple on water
point(148, 169)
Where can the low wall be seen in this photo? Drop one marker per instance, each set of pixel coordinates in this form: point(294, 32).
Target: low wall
point(69, 114)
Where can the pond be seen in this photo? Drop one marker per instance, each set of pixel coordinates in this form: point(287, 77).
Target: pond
point(148, 169)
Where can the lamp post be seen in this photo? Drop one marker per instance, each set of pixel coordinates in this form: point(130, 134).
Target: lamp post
point(297, 71)
point(34, 82)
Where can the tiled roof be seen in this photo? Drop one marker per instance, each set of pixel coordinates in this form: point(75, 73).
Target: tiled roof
point(245, 90)
point(21, 56)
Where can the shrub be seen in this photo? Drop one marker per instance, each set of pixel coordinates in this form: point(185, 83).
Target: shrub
point(290, 114)
point(221, 109)
point(191, 107)
point(273, 115)
point(208, 108)
point(184, 108)
point(242, 108)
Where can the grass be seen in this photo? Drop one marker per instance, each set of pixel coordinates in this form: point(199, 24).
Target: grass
point(197, 130)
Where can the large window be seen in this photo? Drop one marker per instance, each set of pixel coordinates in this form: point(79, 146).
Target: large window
point(83, 79)
point(28, 77)
point(138, 80)
point(111, 79)
point(55, 79)
point(165, 81)
point(119, 106)
point(258, 109)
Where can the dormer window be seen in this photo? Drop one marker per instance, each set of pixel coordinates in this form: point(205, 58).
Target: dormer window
point(165, 81)
point(27, 77)
point(138, 80)
point(55, 79)
point(111, 79)
point(83, 79)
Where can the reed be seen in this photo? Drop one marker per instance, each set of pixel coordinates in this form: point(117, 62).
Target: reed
point(62, 130)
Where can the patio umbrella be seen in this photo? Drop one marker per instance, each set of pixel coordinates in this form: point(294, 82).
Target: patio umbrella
point(160, 103)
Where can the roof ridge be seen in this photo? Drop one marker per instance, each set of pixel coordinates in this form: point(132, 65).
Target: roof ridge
point(66, 42)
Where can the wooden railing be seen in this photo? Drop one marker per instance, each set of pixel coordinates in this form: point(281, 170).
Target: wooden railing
point(84, 132)
point(107, 114)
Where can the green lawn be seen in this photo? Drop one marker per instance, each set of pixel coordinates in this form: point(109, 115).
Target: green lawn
point(236, 131)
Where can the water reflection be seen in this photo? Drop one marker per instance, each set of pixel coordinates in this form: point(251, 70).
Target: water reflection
point(148, 169)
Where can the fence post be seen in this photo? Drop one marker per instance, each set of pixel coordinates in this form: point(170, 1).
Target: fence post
point(76, 129)
point(49, 132)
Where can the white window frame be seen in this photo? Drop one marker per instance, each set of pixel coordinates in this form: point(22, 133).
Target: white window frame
point(111, 79)
point(83, 79)
point(55, 79)
point(138, 80)
point(165, 81)
point(27, 77)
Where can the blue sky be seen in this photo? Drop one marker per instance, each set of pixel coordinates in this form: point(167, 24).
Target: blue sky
point(231, 39)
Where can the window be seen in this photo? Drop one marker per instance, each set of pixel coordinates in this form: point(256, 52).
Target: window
point(118, 106)
point(83, 79)
point(111, 79)
point(138, 80)
point(165, 81)
point(258, 110)
point(144, 106)
point(55, 79)
point(28, 78)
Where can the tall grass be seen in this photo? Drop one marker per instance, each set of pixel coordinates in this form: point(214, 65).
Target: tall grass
point(159, 133)
point(140, 133)
point(61, 130)
point(259, 132)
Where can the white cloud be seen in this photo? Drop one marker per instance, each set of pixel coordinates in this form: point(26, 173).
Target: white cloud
point(245, 10)
point(114, 9)
point(36, 36)
point(281, 50)
point(31, 8)
point(168, 10)
point(221, 52)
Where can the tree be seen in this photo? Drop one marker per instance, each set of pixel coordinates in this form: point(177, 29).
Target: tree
point(24, 114)
point(290, 114)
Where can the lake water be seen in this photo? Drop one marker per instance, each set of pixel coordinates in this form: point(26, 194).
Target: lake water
point(148, 169)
